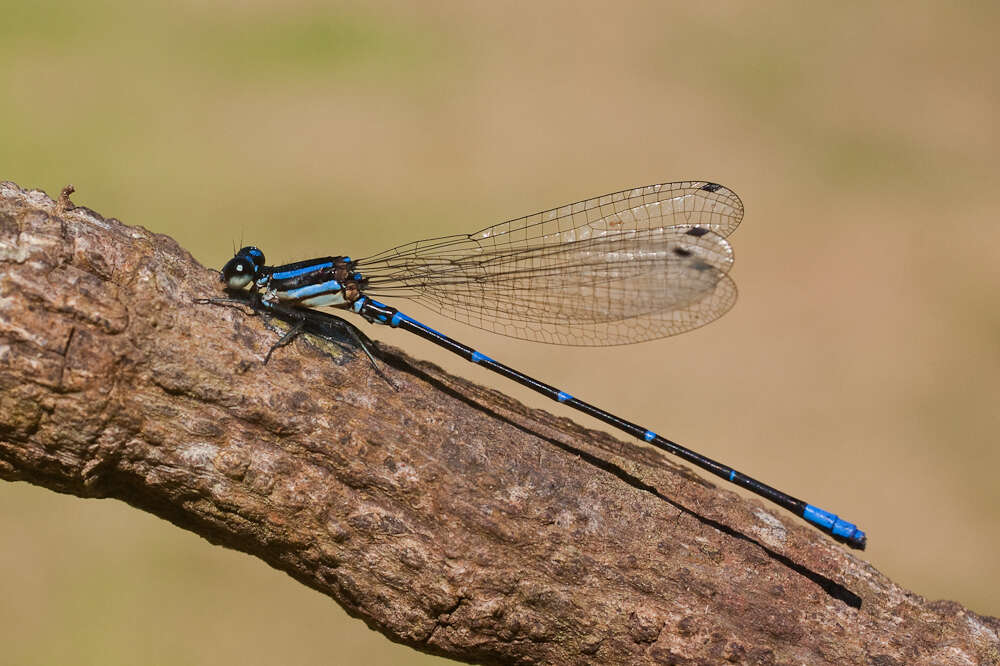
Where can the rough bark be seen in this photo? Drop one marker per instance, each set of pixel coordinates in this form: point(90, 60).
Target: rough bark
point(445, 515)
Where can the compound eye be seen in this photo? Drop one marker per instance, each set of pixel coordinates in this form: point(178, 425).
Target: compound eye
point(238, 272)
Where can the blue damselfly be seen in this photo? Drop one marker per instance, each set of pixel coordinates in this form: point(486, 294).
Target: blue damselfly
point(636, 265)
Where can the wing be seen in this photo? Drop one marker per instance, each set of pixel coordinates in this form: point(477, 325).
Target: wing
point(635, 265)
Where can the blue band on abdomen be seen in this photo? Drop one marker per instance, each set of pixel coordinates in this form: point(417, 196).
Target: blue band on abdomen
point(833, 523)
point(814, 514)
point(649, 436)
point(563, 397)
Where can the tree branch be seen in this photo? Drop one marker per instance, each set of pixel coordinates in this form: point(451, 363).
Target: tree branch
point(445, 515)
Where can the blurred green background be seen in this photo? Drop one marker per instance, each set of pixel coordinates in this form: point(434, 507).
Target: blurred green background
point(859, 370)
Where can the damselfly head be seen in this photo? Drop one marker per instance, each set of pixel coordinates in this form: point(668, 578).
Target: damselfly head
point(243, 268)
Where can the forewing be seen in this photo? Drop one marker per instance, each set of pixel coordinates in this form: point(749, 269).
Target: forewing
point(634, 265)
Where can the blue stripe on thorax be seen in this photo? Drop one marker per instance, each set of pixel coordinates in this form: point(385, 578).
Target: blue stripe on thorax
point(311, 290)
point(312, 268)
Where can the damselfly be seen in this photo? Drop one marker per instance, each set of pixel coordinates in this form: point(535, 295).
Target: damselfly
point(635, 265)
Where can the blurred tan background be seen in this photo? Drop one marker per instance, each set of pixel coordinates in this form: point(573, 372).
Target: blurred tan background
point(860, 369)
